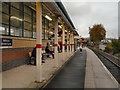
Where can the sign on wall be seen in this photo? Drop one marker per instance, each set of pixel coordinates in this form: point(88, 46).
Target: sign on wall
point(5, 43)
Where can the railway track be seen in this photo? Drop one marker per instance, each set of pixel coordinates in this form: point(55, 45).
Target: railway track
point(111, 62)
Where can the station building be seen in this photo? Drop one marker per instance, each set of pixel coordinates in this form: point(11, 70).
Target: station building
point(19, 25)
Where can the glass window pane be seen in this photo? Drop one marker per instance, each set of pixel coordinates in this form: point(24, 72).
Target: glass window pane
point(16, 13)
point(34, 20)
point(12, 31)
point(27, 18)
point(27, 33)
point(34, 14)
point(5, 19)
point(27, 26)
point(34, 27)
point(16, 22)
point(2, 29)
point(16, 4)
point(34, 34)
point(27, 10)
point(16, 17)
point(16, 31)
point(5, 8)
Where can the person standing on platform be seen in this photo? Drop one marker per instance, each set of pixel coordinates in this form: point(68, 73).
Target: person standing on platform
point(47, 50)
point(80, 47)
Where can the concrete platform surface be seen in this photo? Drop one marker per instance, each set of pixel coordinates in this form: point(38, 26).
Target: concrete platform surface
point(24, 76)
point(97, 75)
point(73, 73)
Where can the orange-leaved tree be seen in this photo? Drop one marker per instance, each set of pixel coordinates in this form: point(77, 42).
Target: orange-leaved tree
point(97, 33)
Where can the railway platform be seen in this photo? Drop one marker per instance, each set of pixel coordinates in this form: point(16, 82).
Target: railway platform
point(82, 70)
point(97, 75)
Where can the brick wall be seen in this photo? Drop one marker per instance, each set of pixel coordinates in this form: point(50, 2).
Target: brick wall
point(14, 57)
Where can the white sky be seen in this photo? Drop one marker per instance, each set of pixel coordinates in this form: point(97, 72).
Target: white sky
point(85, 14)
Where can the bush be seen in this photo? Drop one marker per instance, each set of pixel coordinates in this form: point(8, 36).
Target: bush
point(116, 46)
point(108, 48)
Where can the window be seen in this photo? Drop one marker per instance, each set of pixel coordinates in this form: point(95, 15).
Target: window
point(2, 30)
point(5, 8)
point(43, 28)
point(47, 28)
point(5, 19)
point(27, 33)
point(4, 27)
point(16, 20)
point(28, 25)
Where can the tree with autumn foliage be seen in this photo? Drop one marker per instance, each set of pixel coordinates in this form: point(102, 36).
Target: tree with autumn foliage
point(97, 33)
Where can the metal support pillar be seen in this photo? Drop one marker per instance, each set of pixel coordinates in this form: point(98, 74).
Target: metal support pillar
point(63, 42)
point(39, 40)
point(56, 43)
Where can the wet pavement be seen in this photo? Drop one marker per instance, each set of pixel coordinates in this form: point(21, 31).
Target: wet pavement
point(72, 75)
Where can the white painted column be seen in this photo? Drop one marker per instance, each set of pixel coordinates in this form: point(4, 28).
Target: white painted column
point(39, 40)
point(72, 42)
point(63, 42)
point(56, 43)
point(68, 42)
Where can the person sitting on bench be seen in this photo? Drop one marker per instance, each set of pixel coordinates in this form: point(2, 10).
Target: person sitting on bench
point(52, 51)
point(34, 55)
point(47, 50)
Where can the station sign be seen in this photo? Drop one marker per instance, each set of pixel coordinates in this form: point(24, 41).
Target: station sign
point(5, 43)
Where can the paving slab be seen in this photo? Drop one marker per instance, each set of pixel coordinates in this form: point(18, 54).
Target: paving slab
point(73, 73)
point(24, 76)
point(97, 75)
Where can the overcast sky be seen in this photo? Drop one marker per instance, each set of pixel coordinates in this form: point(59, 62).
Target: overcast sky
point(86, 14)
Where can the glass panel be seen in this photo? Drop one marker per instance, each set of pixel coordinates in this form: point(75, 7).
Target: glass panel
point(16, 18)
point(47, 28)
point(16, 21)
point(27, 33)
point(34, 27)
point(5, 8)
point(15, 4)
point(34, 34)
point(12, 31)
point(16, 13)
point(27, 18)
point(27, 10)
point(5, 19)
point(27, 26)
point(34, 31)
point(5, 30)
point(34, 20)
point(2, 29)
point(16, 31)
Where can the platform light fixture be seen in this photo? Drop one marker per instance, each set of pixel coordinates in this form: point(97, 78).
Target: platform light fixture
point(51, 32)
point(13, 17)
point(46, 16)
point(60, 26)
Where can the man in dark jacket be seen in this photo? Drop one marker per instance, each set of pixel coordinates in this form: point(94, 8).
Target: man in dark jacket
point(47, 50)
point(34, 56)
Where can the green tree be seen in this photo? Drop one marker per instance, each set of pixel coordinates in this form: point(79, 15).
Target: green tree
point(97, 33)
point(116, 46)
